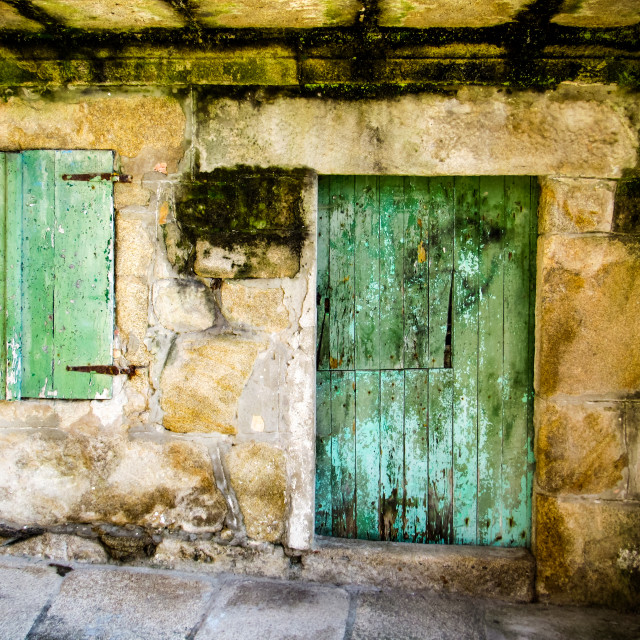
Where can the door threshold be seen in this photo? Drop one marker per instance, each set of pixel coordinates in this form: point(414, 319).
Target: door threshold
point(485, 572)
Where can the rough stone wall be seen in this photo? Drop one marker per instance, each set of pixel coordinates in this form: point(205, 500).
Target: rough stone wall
point(587, 508)
point(195, 442)
point(208, 452)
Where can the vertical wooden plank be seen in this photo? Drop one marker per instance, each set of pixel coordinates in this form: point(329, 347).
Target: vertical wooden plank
point(440, 515)
point(465, 361)
point(83, 297)
point(323, 327)
point(341, 273)
point(490, 359)
point(367, 453)
point(416, 273)
point(38, 272)
point(416, 454)
point(3, 239)
point(391, 334)
point(13, 276)
point(343, 459)
point(533, 244)
point(391, 454)
point(323, 453)
point(516, 359)
point(367, 272)
point(441, 214)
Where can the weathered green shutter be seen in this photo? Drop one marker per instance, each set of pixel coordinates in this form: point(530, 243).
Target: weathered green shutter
point(424, 358)
point(57, 273)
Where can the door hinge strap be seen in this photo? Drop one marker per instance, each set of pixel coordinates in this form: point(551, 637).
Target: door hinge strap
point(97, 177)
point(107, 369)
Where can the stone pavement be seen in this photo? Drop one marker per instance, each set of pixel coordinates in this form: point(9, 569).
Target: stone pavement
point(39, 600)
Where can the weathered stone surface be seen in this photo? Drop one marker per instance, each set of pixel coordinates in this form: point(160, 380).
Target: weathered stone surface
point(134, 248)
point(598, 13)
point(626, 212)
point(250, 609)
point(259, 307)
point(48, 477)
point(97, 14)
point(24, 591)
point(424, 615)
point(580, 448)
point(203, 380)
point(257, 474)
point(572, 131)
point(207, 556)
point(11, 19)
point(125, 604)
point(573, 205)
point(543, 622)
point(184, 305)
point(587, 329)
point(577, 547)
point(493, 572)
point(59, 546)
point(126, 194)
point(278, 13)
point(448, 13)
point(178, 248)
point(632, 430)
point(126, 124)
point(260, 260)
point(132, 311)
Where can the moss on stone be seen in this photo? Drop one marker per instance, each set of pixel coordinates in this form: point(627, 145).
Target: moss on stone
point(243, 207)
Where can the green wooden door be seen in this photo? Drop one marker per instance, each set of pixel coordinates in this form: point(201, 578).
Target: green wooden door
point(425, 358)
point(56, 273)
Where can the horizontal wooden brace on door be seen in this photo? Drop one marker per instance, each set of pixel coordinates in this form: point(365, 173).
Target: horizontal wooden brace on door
point(95, 177)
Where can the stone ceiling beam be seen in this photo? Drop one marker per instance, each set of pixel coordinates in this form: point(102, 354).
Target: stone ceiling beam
point(28, 10)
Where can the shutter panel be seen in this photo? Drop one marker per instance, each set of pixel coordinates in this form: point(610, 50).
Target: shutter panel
point(59, 274)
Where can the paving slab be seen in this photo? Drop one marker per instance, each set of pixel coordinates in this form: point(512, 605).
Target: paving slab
point(124, 605)
point(272, 610)
point(24, 591)
point(415, 616)
point(540, 622)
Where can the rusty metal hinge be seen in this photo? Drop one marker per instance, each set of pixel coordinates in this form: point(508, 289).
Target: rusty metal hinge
point(97, 177)
point(107, 369)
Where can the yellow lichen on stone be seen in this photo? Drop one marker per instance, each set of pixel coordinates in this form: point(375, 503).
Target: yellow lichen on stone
point(588, 334)
point(257, 474)
point(577, 545)
point(254, 306)
point(60, 477)
point(278, 13)
point(126, 194)
point(574, 206)
point(97, 14)
point(203, 380)
point(134, 248)
point(132, 310)
point(580, 448)
point(128, 125)
point(448, 13)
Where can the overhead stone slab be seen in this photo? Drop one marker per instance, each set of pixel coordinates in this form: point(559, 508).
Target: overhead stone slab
point(448, 13)
point(278, 13)
point(598, 13)
point(134, 14)
point(11, 19)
